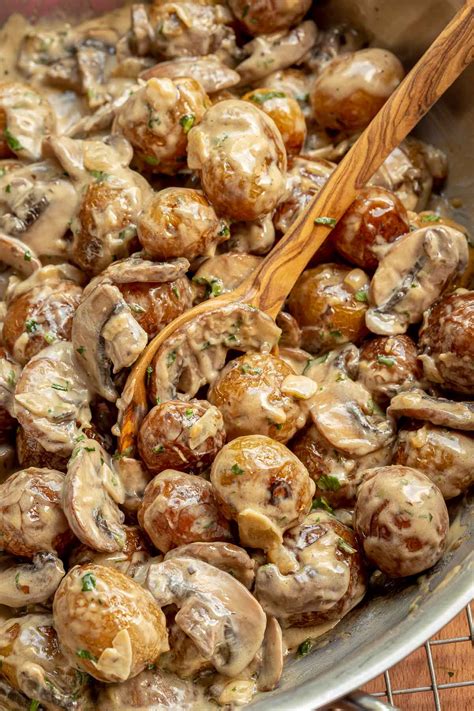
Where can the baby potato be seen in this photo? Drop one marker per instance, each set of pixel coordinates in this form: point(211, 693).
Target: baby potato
point(181, 508)
point(401, 520)
point(266, 16)
point(30, 453)
point(286, 113)
point(180, 222)
point(352, 88)
point(108, 624)
point(329, 302)
point(31, 517)
point(156, 120)
point(250, 393)
point(241, 184)
point(375, 218)
point(39, 317)
point(387, 365)
point(444, 455)
point(447, 342)
point(156, 305)
point(181, 434)
point(262, 486)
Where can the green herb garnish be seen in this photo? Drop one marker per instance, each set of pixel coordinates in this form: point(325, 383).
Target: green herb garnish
point(31, 325)
point(261, 96)
point(361, 295)
point(328, 483)
point(386, 360)
point(13, 142)
point(430, 218)
point(88, 582)
point(328, 221)
point(304, 648)
point(187, 122)
point(85, 654)
point(235, 469)
point(58, 386)
point(345, 546)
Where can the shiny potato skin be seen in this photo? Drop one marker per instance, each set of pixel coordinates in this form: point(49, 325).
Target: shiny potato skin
point(156, 120)
point(165, 436)
point(286, 113)
point(44, 314)
point(375, 218)
point(31, 517)
point(352, 88)
point(180, 508)
point(444, 455)
point(30, 453)
point(329, 303)
point(154, 306)
point(94, 604)
point(387, 365)
point(248, 394)
point(401, 520)
point(5, 151)
point(180, 222)
point(262, 17)
point(447, 342)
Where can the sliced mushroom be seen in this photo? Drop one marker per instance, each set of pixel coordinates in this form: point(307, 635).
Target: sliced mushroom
point(255, 237)
point(81, 158)
point(24, 584)
point(270, 667)
point(219, 614)
point(51, 274)
point(225, 556)
point(141, 30)
point(411, 276)
point(135, 478)
point(437, 410)
point(223, 273)
point(16, 255)
point(213, 74)
point(52, 398)
point(137, 269)
point(91, 494)
point(270, 53)
point(91, 63)
point(105, 334)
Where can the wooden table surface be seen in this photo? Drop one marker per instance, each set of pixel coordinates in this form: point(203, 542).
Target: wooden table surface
point(453, 662)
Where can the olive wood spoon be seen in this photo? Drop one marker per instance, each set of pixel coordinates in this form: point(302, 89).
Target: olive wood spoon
point(268, 287)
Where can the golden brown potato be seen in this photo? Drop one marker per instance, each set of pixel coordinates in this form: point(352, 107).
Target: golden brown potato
point(108, 625)
point(156, 305)
point(444, 455)
point(375, 218)
point(329, 302)
point(39, 317)
point(262, 17)
point(181, 508)
point(251, 394)
point(180, 434)
point(401, 520)
point(286, 113)
point(262, 486)
point(241, 184)
point(447, 342)
point(180, 222)
point(156, 120)
point(25, 119)
point(30, 453)
point(31, 517)
point(351, 89)
point(387, 365)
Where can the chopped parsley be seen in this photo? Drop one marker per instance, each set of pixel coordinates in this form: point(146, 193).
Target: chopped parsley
point(158, 449)
point(430, 218)
point(386, 360)
point(27, 256)
point(136, 308)
point(11, 379)
point(151, 160)
point(335, 334)
point(58, 386)
point(345, 546)
point(259, 97)
point(248, 369)
point(99, 175)
point(31, 325)
point(189, 412)
point(328, 221)
point(187, 122)
point(304, 648)
point(13, 142)
point(361, 295)
point(81, 350)
point(321, 503)
point(128, 232)
point(34, 705)
point(88, 582)
point(17, 581)
point(149, 373)
point(213, 285)
point(235, 469)
point(328, 483)
point(224, 232)
point(85, 654)
point(206, 345)
point(170, 358)
point(49, 337)
point(8, 189)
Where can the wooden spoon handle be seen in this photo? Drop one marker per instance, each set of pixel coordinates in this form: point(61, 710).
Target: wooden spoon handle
point(442, 63)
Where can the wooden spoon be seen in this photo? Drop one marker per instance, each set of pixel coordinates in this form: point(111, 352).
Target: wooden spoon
point(268, 287)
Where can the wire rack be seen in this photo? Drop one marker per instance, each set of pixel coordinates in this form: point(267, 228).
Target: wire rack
point(427, 696)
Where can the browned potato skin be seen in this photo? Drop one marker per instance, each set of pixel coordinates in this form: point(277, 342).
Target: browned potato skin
point(447, 338)
point(129, 561)
point(286, 113)
point(444, 455)
point(244, 386)
point(401, 519)
point(52, 309)
point(83, 623)
point(180, 222)
point(38, 506)
point(5, 151)
point(324, 303)
point(156, 305)
point(30, 453)
point(353, 110)
point(376, 217)
point(262, 17)
point(387, 365)
point(163, 439)
point(187, 512)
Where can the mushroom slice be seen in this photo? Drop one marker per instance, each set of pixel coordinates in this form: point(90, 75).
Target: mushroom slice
point(24, 584)
point(135, 478)
point(412, 275)
point(105, 333)
point(137, 269)
point(212, 74)
point(345, 414)
point(270, 53)
point(221, 617)
point(270, 667)
point(52, 398)
point(16, 254)
point(91, 61)
point(437, 410)
point(225, 556)
point(91, 493)
point(11, 699)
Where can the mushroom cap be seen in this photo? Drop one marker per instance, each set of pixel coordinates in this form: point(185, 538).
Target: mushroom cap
point(24, 584)
point(437, 410)
point(226, 556)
